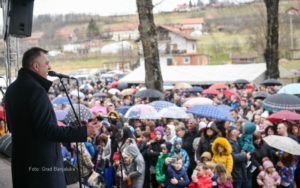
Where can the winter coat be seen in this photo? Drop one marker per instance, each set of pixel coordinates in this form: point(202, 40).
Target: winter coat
point(262, 150)
point(224, 158)
point(203, 182)
point(36, 153)
point(184, 156)
point(160, 175)
point(239, 171)
point(85, 160)
point(246, 140)
point(226, 184)
point(205, 143)
point(154, 151)
point(188, 146)
point(181, 176)
point(267, 180)
point(138, 173)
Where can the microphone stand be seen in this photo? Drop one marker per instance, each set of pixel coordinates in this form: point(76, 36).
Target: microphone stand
point(78, 122)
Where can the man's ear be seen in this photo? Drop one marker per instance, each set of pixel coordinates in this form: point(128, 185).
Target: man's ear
point(34, 67)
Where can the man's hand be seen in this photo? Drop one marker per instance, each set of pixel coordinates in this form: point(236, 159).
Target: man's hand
point(93, 127)
point(174, 181)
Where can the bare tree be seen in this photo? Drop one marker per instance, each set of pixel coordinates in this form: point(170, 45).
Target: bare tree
point(271, 51)
point(147, 29)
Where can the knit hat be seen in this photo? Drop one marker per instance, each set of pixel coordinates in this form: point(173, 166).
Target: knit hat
point(206, 154)
point(178, 140)
point(267, 164)
point(160, 130)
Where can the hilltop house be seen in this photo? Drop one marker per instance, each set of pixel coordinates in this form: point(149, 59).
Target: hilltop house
point(243, 57)
point(195, 24)
point(177, 48)
point(124, 32)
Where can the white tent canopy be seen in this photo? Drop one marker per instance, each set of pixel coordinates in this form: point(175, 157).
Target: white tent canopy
point(203, 74)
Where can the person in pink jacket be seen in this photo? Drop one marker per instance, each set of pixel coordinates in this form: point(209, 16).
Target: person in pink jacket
point(268, 177)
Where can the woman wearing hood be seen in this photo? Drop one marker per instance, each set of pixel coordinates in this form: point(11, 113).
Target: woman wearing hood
point(134, 171)
point(211, 132)
point(222, 153)
point(170, 134)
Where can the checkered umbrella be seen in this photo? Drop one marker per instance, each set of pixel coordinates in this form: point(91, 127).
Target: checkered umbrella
point(210, 111)
point(84, 115)
point(159, 105)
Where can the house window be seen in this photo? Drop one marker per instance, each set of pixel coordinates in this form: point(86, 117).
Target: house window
point(169, 61)
point(186, 60)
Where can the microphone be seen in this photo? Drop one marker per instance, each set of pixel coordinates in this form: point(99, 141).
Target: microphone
point(59, 75)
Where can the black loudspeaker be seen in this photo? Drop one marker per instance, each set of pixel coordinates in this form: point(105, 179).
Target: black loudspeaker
point(5, 145)
point(20, 17)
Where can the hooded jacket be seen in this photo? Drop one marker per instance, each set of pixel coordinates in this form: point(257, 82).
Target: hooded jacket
point(32, 122)
point(225, 157)
point(160, 175)
point(246, 140)
point(172, 135)
point(180, 175)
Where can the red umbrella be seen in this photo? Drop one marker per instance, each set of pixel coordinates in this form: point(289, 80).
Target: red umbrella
point(211, 91)
point(284, 115)
point(2, 113)
point(229, 93)
point(114, 84)
point(219, 86)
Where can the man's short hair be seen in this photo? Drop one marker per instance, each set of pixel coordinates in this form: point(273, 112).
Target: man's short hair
point(30, 55)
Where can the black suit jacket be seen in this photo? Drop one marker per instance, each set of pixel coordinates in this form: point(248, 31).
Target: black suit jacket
point(36, 154)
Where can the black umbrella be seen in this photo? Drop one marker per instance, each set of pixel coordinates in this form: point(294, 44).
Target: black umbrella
point(241, 81)
point(122, 85)
point(271, 82)
point(260, 95)
point(281, 101)
point(149, 93)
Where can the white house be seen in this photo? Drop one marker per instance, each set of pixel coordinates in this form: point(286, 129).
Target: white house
point(172, 42)
point(124, 32)
point(196, 24)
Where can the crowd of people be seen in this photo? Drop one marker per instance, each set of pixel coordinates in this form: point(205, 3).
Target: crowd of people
point(193, 152)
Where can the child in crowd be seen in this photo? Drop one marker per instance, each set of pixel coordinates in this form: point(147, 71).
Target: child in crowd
point(223, 179)
point(176, 175)
point(268, 177)
point(160, 175)
point(200, 179)
point(286, 169)
point(178, 151)
point(222, 150)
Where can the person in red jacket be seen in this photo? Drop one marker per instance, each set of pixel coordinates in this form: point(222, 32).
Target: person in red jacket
point(200, 179)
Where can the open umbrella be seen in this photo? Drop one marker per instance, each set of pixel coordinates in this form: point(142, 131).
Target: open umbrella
point(122, 109)
point(114, 84)
point(182, 85)
point(159, 105)
point(60, 100)
point(84, 115)
point(260, 95)
point(293, 89)
point(122, 85)
point(128, 91)
point(97, 109)
point(113, 91)
point(281, 101)
point(219, 86)
point(149, 93)
point(60, 114)
point(241, 81)
point(211, 92)
point(229, 93)
point(271, 82)
point(173, 112)
point(284, 115)
point(294, 71)
point(283, 143)
point(100, 95)
point(197, 101)
point(210, 111)
point(194, 90)
point(142, 111)
point(76, 93)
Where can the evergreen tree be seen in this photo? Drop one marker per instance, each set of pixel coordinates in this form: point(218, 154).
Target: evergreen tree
point(92, 30)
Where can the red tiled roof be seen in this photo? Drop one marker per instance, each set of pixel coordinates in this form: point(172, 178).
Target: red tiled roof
point(192, 21)
point(178, 32)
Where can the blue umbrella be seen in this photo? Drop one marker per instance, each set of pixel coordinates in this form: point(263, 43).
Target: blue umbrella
point(210, 111)
point(158, 105)
point(194, 90)
point(149, 93)
point(100, 95)
point(122, 109)
point(60, 114)
point(61, 100)
point(293, 89)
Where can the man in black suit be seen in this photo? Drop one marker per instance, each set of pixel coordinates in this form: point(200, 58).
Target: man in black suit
point(36, 155)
